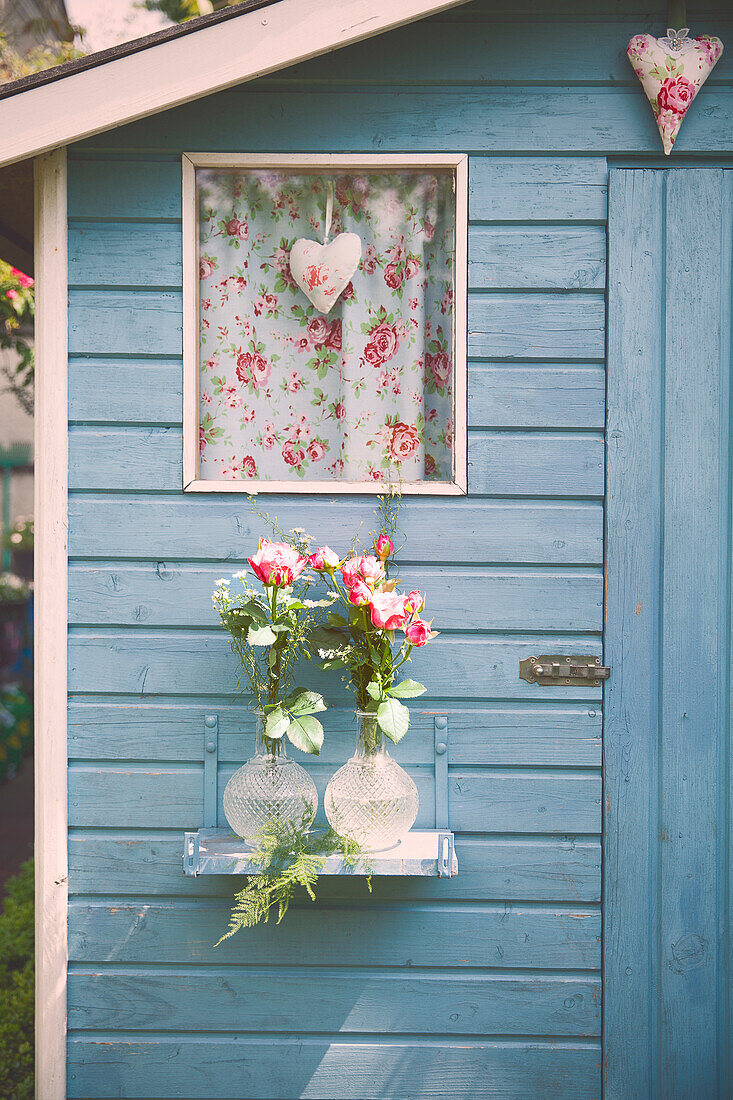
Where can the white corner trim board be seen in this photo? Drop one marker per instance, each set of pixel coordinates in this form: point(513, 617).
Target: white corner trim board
point(182, 69)
point(51, 524)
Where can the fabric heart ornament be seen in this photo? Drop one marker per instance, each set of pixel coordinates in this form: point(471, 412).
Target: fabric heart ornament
point(323, 271)
point(672, 71)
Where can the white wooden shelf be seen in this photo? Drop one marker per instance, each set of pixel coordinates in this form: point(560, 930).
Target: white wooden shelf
point(425, 852)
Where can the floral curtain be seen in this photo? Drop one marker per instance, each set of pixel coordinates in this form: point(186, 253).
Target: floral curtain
point(363, 394)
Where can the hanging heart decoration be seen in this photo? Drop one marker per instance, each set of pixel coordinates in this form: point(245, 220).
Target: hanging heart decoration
point(672, 71)
point(323, 271)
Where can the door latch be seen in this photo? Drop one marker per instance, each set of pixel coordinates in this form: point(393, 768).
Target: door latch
point(567, 671)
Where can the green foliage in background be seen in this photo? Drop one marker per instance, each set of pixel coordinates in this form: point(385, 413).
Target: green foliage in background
point(178, 11)
point(17, 987)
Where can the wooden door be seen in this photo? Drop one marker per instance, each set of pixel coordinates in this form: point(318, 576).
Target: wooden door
point(667, 896)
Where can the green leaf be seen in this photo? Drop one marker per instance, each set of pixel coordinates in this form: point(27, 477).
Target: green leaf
point(302, 701)
point(394, 719)
point(261, 635)
point(306, 733)
point(277, 723)
point(253, 610)
point(407, 689)
point(375, 690)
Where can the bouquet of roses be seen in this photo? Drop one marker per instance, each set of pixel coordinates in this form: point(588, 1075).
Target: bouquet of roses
point(374, 632)
point(269, 630)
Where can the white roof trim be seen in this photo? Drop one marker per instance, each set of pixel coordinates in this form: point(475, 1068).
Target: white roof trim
point(185, 68)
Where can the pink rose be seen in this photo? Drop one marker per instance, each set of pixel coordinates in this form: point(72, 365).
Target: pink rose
point(418, 632)
point(24, 280)
point(347, 294)
point(260, 369)
point(339, 410)
point(637, 45)
point(388, 610)
point(415, 601)
point(333, 340)
point(249, 467)
point(384, 547)
point(206, 267)
point(440, 367)
point(316, 450)
point(324, 560)
point(318, 329)
point(244, 362)
point(350, 572)
point(384, 338)
point(371, 569)
point(373, 355)
point(412, 266)
point(710, 48)
point(404, 441)
point(360, 593)
point(392, 277)
point(676, 94)
point(237, 228)
point(276, 563)
point(294, 456)
point(12, 294)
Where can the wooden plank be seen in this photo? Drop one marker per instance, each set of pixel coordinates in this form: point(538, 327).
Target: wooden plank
point(694, 618)
point(455, 51)
point(631, 717)
point(120, 390)
point(322, 1069)
point(116, 188)
point(264, 1000)
point(535, 733)
point(181, 596)
point(513, 869)
point(536, 396)
point(501, 464)
point(104, 322)
point(557, 188)
point(564, 120)
point(518, 801)
point(442, 935)
point(166, 662)
point(519, 257)
point(131, 254)
point(544, 326)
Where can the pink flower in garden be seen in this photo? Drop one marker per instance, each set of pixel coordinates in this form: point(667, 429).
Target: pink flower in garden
point(292, 454)
point(388, 610)
point(12, 294)
point(316, 450)
point(249, 466)
point(384, 547)
point(676, 94)
point(324, 560)
point(440, 367)
point(206, 267)
point(276, 563)
point(371, 569)
point(25, 280)
point(415, 601)
point(392, 277)
point(360, 593)
point(404, 441)
point(418, 632)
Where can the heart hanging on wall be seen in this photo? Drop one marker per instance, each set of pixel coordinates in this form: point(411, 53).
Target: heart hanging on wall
point(323, 271)
point(672, 71)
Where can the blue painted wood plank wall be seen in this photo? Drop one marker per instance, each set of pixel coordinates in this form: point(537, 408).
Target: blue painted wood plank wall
point(486, 985)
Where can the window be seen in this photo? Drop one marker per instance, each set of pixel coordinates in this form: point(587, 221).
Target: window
point(369, 389)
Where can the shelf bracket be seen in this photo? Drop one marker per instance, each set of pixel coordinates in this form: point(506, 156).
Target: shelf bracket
point(446, 845)
point(440, 732)
point(190, 853)
point(211, 771)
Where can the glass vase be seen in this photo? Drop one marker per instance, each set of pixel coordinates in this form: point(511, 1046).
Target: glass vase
point(371, 799)
point(269, 791)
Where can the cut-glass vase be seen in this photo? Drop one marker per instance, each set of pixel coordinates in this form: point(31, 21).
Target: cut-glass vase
point(269, 791)
point(371, 799)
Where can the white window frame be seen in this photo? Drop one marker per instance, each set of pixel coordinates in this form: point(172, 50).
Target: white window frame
point(192, 482)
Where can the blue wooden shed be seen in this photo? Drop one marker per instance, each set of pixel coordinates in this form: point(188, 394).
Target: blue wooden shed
point(583, 949)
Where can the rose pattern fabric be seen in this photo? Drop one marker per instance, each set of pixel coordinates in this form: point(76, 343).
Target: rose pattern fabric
point(672, 71)
point(288, 394)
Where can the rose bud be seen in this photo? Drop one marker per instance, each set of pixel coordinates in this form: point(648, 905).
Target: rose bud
point(384, 547)
point(324, 560)
point(360, 593)
point(415, 601)
point(418, 632)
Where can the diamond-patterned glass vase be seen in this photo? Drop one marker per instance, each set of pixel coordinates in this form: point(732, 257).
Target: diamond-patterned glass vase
point(269, 790)
point(371, 798)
